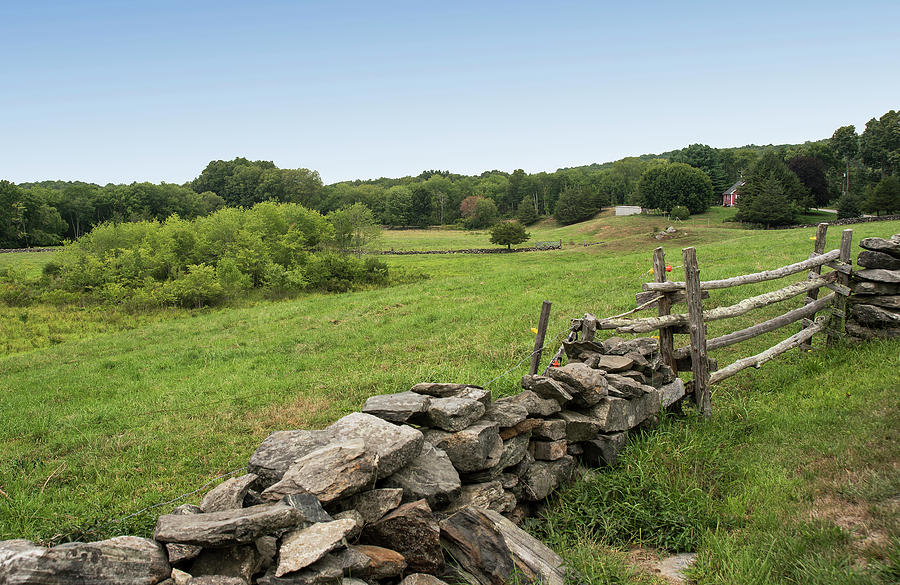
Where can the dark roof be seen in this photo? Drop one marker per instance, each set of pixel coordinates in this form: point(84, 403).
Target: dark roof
point(734, 187)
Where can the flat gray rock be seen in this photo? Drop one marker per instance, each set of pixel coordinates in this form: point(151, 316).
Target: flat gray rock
point(533, 404)
point(548, 450)
point(393, 445)
point(494, 551)
point(422, 579)
point(543, 476)
point(643, 408)
point(548, 388)
point(874, 315)
point(374, 504)
point(617, 414)
point(326, 571)
point(383, 563)
point(353, 562)
point(228, 495)
point(489, 495)
point(619, 346)
point(476, 393)
point(332, 472)
point(397, 408)
point(215, 580)
point(552, 429)
point(886, 301)
point(303, 547)
point(580, 427)
point(865, 287)
point(309, 505)
point(358, 522)
point(431, 476)
point(588, 385)
point(625, 387)
point(413, 531)
point(179, 553)
point(241, 561)
point(453, 414)
point(472, 449)
point(123, 560)
point(514, 449)
point(877, 275)
point(278, 452)
point(442, 390)
point(671, 393)
point(614, 363)
point(575, 349)
point(890, 247)
point(633, 374)
point(873, 259)
point(603, 450)
point(229, 527)
point(506, 414)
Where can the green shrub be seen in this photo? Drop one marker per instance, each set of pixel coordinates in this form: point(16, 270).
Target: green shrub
point(680, 212)
point(848, 207)
point(197, 288)
point(200, 262)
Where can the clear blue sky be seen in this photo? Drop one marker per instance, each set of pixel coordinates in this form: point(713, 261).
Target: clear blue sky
point(113, 91)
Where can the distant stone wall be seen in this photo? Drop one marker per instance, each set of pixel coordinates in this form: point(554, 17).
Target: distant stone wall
point(875, 299)
point(381, 495)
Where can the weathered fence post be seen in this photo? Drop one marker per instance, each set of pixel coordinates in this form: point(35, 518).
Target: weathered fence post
point(839, 310)
point(541, 334)
point(699, 357)
point(818, 248)
point(666, 338)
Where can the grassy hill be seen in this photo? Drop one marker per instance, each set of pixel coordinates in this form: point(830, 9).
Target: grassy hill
point(122, 412)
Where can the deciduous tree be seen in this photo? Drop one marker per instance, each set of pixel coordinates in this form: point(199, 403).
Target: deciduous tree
point(673, 184)
point(509, 233)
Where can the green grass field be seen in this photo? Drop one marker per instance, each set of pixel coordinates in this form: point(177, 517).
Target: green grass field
point(130, 411)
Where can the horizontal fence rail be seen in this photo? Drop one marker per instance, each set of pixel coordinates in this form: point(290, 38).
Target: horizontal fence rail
point(648, 324)
point(662, 294)
point(817, 260)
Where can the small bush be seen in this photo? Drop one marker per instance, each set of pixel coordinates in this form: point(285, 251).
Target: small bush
point(680, 212)
point(848, 207)
point(271, 246)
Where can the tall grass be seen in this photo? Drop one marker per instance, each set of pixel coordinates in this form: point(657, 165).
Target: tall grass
point(109, 421)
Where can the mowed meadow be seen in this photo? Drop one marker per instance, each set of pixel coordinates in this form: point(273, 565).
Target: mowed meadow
point(104, 413)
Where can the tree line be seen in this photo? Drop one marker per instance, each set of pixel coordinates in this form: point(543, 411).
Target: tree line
point(855, 172)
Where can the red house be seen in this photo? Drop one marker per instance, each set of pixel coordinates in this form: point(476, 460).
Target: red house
point(731, 195)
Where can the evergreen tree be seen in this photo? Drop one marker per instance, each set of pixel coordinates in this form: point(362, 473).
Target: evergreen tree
point(572, 207)
point(771, 165)
point(765, 202)
point(526, 213)
point(847, 207)
point(885, 196)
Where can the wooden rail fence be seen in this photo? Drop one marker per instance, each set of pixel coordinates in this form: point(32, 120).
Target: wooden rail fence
point(663, 294)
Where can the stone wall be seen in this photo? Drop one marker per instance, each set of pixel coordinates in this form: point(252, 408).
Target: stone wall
point(422, 487)
point(875, 300)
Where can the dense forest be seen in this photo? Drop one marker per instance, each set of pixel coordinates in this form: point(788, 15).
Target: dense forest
point(854, 171)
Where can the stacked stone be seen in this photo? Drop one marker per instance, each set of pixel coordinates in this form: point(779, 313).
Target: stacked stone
point(605, 390)
point(378, 496)
point(875, 299)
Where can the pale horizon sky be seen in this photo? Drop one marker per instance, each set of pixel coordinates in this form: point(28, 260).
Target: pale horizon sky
point(105, 91)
